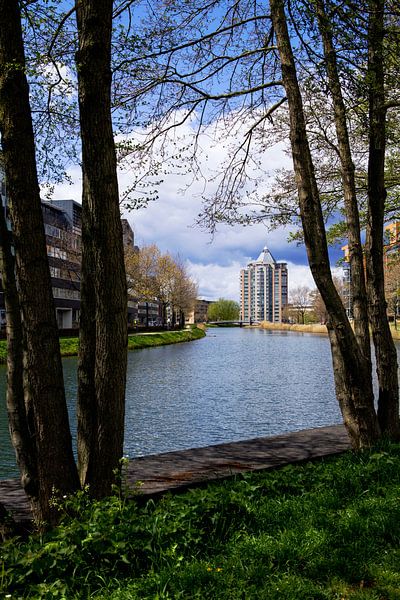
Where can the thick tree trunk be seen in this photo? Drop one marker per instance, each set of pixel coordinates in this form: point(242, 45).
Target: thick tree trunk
point(385, 351)
point(19, 416)
point(44, 389)
point(351, 369)
point(102, 394)
point(357, 283)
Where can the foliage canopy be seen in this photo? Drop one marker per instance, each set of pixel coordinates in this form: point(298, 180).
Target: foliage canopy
point(223, 310)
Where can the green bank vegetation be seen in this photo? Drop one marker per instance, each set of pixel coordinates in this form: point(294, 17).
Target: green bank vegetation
point(223, 310)
point(323, 530)
point(308, 328)
point(69, 346)
point(163, 338)
point(312, 328)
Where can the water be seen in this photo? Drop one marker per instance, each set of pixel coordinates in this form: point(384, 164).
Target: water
point(234, 384)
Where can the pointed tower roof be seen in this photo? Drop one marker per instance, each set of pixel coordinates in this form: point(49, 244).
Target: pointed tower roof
point(266, 257)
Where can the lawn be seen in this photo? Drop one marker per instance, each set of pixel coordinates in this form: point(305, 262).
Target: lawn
point(323, 530)
point(69, 346)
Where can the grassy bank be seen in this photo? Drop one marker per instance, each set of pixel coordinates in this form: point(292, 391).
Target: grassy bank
point(311, 328)
point(147, 340)
point(69, 346)
point(327, 530)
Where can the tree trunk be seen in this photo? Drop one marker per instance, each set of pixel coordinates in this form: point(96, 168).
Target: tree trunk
point(7, 525)
point(385, 351)
point(86, 406)
point(357, 282)
point(102, 394)
point(352, 376)
point(44, 389)
point(19, 416)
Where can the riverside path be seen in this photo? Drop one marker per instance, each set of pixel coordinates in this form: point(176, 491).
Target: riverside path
point(154, 475)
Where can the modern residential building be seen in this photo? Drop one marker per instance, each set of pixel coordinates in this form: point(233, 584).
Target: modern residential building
point(263, 289)
point(392, 241)
point(63, 228)
point(62, 224)
point(199, 313)
point(391, 251)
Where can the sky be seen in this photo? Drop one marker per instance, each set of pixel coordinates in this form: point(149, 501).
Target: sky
point(213, 261)
point(169, 222)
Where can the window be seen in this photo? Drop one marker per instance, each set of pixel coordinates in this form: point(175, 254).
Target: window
point(56, 252)
point(66, 293)
point(51, 230)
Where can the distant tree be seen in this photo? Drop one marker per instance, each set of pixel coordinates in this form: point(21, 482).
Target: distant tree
point(319, 307)
point(223, 310)
point(153, 275)
point(300, 300)
point(141, 271)
point(185, 291)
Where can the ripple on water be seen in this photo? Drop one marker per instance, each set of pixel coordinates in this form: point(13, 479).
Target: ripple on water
point(234, 384)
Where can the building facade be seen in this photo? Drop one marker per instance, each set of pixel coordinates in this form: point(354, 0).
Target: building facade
point(391, 255)
point(263, 289)
point(199, 313)
point(63, 229)
point(62, 226)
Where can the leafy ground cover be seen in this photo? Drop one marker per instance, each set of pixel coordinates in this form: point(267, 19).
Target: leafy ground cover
point(318, 531)
point(69, 346)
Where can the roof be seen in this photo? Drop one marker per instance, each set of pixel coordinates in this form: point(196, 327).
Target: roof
point(266, 257)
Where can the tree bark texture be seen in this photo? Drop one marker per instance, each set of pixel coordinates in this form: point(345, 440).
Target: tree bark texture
point(357, 283)
point(20, 417)
point(43, 383)
point(385, 351)
point(87, 405)
point(8, 527)
point(102, 392)
point(353, 380)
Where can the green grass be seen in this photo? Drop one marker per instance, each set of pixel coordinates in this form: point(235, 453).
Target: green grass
point(163, 338)
point(69, 346)
point(327, 530)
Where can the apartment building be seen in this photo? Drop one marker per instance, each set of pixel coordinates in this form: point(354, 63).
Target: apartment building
point(199, 313)
point(63, 229)
point(62, 225)
point(391, 249)
point(263, 289)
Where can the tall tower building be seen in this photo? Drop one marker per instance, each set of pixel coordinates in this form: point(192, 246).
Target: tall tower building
point(263, 289)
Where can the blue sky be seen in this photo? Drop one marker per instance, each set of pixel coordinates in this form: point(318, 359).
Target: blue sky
point(169, 222)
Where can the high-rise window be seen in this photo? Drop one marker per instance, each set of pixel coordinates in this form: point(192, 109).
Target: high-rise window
point(263, 288)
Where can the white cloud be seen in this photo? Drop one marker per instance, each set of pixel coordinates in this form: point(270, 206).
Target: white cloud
point(169, 222)
point(216, 281)
point(299, 275)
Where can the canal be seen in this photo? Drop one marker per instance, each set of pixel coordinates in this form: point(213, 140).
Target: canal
point(232, 385)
